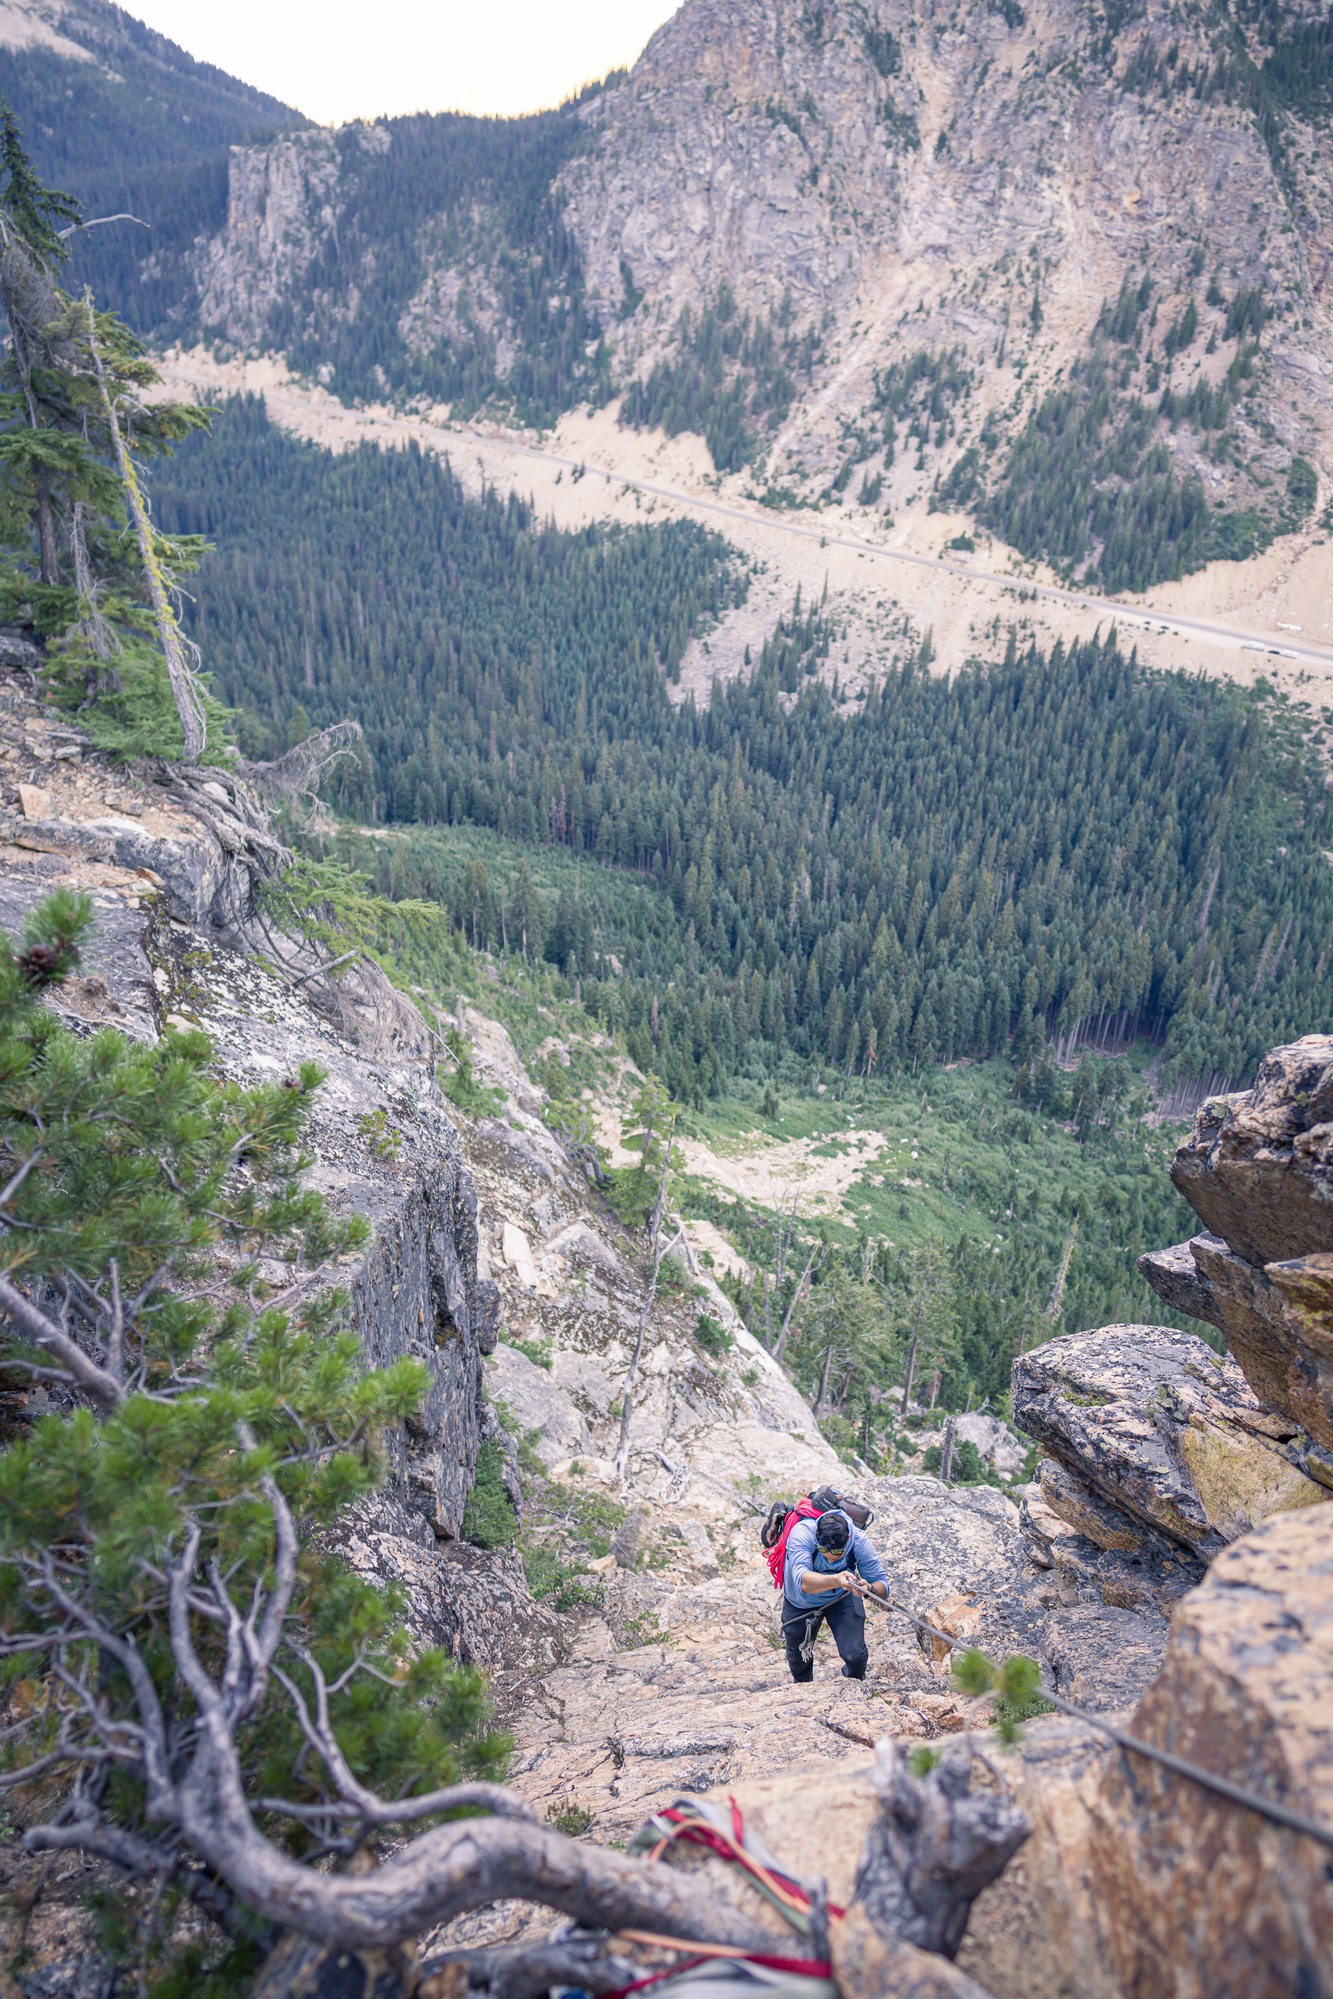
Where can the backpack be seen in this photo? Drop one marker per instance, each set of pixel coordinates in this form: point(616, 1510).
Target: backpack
point(776, 1530)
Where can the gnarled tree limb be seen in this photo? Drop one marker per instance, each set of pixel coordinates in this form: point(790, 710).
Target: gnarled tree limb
point(932, 1849)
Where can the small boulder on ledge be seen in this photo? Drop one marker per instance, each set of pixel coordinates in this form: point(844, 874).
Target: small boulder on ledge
point(1161, 1429)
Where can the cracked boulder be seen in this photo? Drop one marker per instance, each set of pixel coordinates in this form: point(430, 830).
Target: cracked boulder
point(1198, 1897)
point(1277, 1321)
point(1155, 1427)
point(474, 1602)
point(1257, 1168)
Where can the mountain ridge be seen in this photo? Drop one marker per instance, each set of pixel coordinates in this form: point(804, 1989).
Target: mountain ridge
point(907, 255)
point(860, 250)
point(131, 124)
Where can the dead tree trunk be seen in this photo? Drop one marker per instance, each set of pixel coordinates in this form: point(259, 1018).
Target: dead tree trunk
point(823, 1379)
point(815, 1257)
point(185, 688)
point(911, 1363)
point(784, 1222)
point(656, 1253)
point(933, 1848)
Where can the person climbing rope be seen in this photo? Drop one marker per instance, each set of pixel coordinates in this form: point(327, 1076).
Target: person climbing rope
point(830, 1566)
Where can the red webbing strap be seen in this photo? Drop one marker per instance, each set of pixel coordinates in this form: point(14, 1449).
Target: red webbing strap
point(697, 1832)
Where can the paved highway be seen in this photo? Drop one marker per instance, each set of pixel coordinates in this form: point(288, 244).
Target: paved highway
point(772, 521)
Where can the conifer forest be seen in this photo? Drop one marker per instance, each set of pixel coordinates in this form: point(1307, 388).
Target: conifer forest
point(1057, 848)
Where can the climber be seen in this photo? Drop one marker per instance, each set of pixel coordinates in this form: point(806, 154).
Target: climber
point(829, 1565)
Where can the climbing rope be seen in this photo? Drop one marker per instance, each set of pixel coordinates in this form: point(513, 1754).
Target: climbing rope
point(1208, 1780)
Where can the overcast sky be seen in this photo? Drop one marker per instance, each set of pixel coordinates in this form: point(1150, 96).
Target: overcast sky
point(336, 60)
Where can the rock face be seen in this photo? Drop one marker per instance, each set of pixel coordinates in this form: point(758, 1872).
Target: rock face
point(1150, 1432)
point(281, 203)
point(1151, 1423)
point(1197, 1898)
point(873, 173)
point(1258, 1171)
point(167, 869)
point(474, 1603)
point(1163, 1890)
point(1258, 1167)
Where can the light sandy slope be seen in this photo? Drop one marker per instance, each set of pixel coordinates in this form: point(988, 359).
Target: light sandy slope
point(1271, 616)
point(813, 1173)
point(23, 27)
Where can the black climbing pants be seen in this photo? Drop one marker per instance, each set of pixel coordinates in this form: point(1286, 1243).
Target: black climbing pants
point(846, 1620)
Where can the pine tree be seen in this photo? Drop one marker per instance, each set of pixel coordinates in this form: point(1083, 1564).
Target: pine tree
point(201, 1696)
point(87, 571)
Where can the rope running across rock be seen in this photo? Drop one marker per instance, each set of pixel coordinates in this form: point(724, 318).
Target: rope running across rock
point(1223, 1787)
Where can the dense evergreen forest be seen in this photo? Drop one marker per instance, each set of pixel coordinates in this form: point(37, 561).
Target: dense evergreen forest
point(1090, 484)
point(1066, 847)
point(141, 129)
point(732, 379)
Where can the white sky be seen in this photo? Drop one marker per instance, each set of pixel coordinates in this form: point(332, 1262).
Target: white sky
point(336, 60)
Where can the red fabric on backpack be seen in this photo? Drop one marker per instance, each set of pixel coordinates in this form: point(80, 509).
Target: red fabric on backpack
point(777, 1554)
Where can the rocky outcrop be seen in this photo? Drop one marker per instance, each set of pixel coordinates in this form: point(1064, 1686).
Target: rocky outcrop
point(1152, 1433)
point(173, 866)
point(474, 1602)
point(1277, 1322)
point(1153, 1427)
point(868, 1964)
point(283, 201)
point(1196, 1897)
point(1258, 1167)
point(1258, 1171)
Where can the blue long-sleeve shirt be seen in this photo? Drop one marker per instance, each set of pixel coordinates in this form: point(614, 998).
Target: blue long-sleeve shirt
point(804, 1552)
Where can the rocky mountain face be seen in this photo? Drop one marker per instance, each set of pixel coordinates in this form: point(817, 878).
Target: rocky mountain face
point(1171, 1559)
point(861, 243)
point(181, 940)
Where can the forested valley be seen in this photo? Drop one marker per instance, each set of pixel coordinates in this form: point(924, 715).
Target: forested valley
point(1056, 849)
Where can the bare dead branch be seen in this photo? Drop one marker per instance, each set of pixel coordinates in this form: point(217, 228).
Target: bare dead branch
point(446, 1872)
point(122, 1648)
point(185, 686)
point(17, 1179)
point(100, 1386)
point(99, 222)
point(525, 1970)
